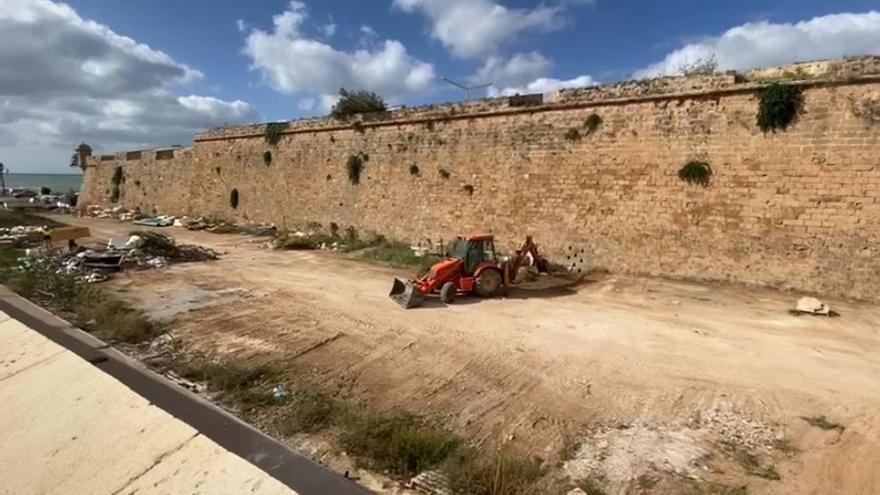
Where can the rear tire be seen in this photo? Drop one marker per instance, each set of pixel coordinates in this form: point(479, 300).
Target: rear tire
point(447, 292)
point(488, 282)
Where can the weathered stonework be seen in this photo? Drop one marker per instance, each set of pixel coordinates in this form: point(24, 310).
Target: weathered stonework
point(794, 209)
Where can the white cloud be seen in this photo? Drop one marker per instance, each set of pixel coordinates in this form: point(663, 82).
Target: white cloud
point(516, 70)
point(368, 31)
point(65, 79)
point(293, 63)
point(543, 85)
point(474, 28)
point(328, 30)
point(241, 25)
point(760, 44)
point(523, 73)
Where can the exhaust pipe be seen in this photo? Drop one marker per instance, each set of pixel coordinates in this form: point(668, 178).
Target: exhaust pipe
point(405, 293)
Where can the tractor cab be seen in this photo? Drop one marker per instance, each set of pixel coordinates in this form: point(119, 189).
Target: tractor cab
point(474, 250)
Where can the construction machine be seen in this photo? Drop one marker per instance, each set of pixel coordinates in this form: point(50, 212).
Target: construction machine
point(472, 266)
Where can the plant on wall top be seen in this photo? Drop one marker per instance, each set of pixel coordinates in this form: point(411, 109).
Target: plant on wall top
point(779, 106)
point(695, 172)
point(593, 123)
point(274, 130)
point(357, 101)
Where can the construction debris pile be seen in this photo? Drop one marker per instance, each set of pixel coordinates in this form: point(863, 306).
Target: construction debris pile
point(199, 223)
point(142, 250)
point(23, 236)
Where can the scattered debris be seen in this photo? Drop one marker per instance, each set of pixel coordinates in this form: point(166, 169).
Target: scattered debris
point(141, 250)
point(160, 221)
point(813, 306)
point(431, 483)
point(279, 393)
point(23, 235)
point(620, 455)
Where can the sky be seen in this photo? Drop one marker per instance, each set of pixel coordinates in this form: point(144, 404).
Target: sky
point(130, 74)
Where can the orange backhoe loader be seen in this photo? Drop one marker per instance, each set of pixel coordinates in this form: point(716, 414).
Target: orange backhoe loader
point(472, 267)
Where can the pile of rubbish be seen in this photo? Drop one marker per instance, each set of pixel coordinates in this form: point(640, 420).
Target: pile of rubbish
point(23, 235)
point(189, 223)
point(142, 250)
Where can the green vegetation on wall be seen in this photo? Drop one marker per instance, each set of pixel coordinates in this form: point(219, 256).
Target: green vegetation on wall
point(696, 172)
point(593, 123)
point(274, 131)
point(778, 107)
point(573, 134)
point(355, 102)
point(267, 157)
point(354, 166)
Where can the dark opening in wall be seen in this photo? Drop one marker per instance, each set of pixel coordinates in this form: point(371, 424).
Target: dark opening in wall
point(164, 154)
point(267, 158)
point(133, 155)
point(233, 198)
point(108, 158)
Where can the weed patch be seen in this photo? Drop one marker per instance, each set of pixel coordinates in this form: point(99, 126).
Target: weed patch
point(307, 410)
point(267, 158)
point(573, 134)
point(696, 172)
point(503, 473)
point(243, 387)
point(402, 445)
point(592, 123)
point(274, 131)
point(93, 309)
point(354, 166)
point(778, 107)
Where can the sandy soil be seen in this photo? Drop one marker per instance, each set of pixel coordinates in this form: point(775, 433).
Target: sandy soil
point(633, 381)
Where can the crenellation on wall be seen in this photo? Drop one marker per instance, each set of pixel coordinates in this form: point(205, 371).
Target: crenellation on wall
point(794, 209)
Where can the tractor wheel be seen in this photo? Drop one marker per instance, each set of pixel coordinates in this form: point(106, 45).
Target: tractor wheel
point(488, 282)
point(447, 292)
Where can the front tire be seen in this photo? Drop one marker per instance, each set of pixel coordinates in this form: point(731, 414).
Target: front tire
point(488, 282)
point(447, 292)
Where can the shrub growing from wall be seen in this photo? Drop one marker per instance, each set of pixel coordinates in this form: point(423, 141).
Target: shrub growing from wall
point(355, 102)
point(779, 106)
point(696, 172)
point(274, 131)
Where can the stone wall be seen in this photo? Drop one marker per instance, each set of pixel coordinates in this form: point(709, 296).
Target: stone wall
point(151, 181)
point(793, 209)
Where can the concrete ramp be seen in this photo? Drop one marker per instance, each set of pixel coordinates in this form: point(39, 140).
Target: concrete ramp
point(67, 426)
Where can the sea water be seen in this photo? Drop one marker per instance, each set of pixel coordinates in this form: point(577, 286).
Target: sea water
point(58, 183)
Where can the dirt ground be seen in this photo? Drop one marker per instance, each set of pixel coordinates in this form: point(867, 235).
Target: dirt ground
point(642, 383)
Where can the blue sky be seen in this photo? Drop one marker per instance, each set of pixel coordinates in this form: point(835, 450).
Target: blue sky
point(135, 73)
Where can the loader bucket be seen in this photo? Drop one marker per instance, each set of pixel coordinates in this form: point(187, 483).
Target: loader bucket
point(405, 293)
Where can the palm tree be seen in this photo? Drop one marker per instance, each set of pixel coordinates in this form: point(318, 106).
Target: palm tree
point(83, 151)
